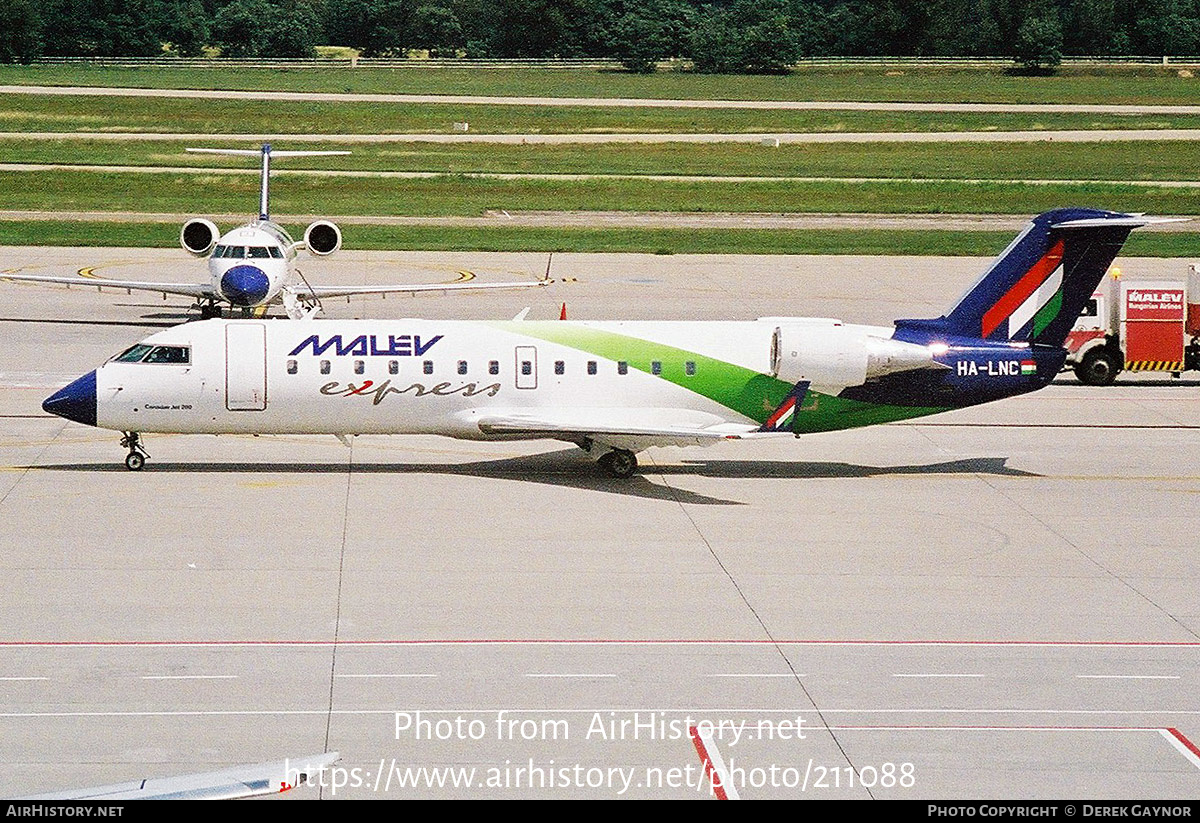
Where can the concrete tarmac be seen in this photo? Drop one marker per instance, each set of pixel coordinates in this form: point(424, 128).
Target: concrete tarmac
point(992, 603)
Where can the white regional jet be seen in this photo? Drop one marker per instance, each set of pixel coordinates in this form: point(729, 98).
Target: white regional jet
point(613, 388)
point(254, 265)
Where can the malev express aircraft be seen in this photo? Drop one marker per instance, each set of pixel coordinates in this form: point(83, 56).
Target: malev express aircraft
point(254, 265)
point(613, 388)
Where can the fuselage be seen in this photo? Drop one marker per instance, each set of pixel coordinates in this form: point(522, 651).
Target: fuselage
point(249, 265)
point(445, 377)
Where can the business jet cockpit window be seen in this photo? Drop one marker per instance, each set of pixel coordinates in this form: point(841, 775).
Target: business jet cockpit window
point(259, 252)
point(142, 353)
point(229, 251)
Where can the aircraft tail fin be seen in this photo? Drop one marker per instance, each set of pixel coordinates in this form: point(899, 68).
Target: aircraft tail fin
point(266, 153)
point(1036, 288)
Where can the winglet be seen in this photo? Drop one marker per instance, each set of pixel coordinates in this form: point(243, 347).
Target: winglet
point(783, 419)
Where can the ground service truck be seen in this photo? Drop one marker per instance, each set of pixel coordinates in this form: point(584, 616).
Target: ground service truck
point(1143, 325)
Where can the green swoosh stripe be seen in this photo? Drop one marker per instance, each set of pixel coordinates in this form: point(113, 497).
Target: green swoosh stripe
point(752, 394)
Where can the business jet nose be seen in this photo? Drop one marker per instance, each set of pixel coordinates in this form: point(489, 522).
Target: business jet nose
point(245, 285)
point(76, 401)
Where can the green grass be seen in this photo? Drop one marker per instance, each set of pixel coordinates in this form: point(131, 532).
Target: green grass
point(166, 115)
point(1151, 160)
point(1094, 84)
point(201, 193)
point(652, 241)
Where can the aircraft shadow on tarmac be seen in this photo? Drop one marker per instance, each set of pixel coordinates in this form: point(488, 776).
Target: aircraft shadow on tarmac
point(567, 469)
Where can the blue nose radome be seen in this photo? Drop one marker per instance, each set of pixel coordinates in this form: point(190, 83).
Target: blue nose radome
point(76, 401)
point(245, 285)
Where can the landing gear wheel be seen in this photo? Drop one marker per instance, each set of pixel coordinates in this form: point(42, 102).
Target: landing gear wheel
point(209, 311)
point(1099, 367)
point(137, 455)
point(619, 463)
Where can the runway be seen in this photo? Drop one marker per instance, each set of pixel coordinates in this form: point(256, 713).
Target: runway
point(993, 603)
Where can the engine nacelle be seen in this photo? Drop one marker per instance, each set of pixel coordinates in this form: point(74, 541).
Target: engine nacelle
point(198, 236)
point(322, 238)
point(830, 354)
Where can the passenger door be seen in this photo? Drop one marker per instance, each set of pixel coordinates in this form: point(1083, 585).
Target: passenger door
point(246, 367)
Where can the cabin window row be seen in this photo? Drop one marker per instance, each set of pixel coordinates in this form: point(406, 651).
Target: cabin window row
point(526, 367)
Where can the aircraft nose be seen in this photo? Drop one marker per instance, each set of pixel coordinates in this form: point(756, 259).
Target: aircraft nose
point(75, 401)
point(245, 285)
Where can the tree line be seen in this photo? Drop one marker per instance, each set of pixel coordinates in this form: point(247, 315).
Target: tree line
point(716, 35)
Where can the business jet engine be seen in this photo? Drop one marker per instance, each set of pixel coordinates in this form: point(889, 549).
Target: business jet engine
point(322, 238)
point(198, 236)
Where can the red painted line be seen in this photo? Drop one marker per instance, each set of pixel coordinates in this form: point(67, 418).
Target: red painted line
point(913, 728)
point(713, 779)
point(1024, 287)
point(1178, 735)
point(603, 642)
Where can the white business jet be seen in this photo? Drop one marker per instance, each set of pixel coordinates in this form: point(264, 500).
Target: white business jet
point(254, 266)
point(613, 388)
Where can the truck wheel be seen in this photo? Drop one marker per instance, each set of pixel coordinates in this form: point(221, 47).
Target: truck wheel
point(1099, 367)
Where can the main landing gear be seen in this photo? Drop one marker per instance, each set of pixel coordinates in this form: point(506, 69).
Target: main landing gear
point(209, 310)
point(619, 463)
point(137, 455)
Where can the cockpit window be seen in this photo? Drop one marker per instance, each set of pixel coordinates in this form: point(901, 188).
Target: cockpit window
point(276, 252)
point(259, 251)
point(133, 354)
point(141, 353)
point(169, 354)
point(231, 251)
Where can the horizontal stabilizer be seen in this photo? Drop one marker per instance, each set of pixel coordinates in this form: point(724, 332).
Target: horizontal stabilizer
point(259, 152)
point(1129, 220)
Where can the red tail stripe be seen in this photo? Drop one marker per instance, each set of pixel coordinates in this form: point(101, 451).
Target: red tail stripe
point(1024, 287)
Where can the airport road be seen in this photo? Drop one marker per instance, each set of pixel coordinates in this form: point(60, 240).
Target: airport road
point(998, 602)
point(1032, 136)
point(603, 102)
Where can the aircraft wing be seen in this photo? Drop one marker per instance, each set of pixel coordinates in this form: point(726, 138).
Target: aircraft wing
point(188, 289)
point(624, 428)
point(226, 784)
point(305, 291)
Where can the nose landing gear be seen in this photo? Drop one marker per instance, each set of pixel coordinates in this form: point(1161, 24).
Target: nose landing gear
point(137, 455)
